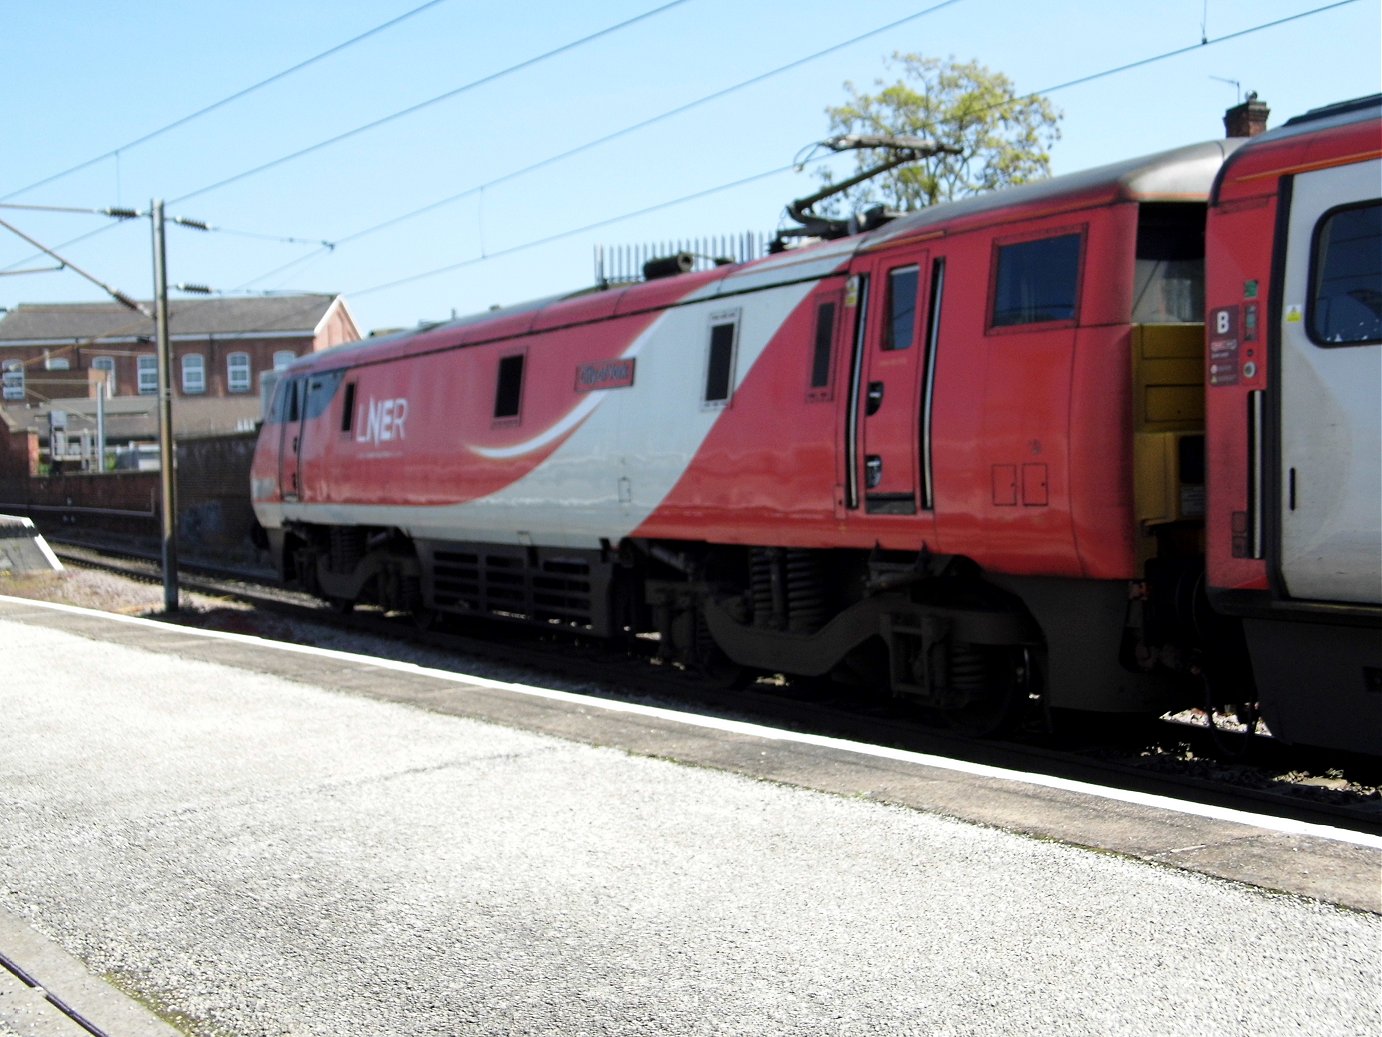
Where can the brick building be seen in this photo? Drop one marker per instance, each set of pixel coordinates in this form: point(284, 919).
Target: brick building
point(221, 348)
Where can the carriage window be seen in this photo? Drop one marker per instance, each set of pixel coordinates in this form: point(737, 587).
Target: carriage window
point(719, 364)
point(902, 308)
point(1036, 281)
point(1346, 277)
point(1168, 285)
point(508, 394)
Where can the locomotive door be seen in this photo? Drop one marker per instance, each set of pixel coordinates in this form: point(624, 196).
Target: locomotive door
point(1330, 387)
point(886, 405)
point(290, 438)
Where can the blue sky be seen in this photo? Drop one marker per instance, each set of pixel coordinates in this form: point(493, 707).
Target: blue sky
point(85, 78)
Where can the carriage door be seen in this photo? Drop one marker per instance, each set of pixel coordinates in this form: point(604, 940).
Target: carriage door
point(290, 414)
point(886, 401)
point(1331, 387)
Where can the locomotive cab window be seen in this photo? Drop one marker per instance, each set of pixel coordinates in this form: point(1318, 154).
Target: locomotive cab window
point(508, 392)
point(1346, 277)
point(1168, 278)
point(1036, 281)
point(290, 400)
point(719, 362)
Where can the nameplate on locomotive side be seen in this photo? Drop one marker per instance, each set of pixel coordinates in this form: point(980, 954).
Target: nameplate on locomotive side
point(604, 374)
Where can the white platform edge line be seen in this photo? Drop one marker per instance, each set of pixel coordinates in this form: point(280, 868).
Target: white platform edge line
point(1285, 826)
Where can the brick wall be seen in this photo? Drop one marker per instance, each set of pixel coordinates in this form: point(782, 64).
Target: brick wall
point(214, 522)
point(214, 514)
point(18, 453)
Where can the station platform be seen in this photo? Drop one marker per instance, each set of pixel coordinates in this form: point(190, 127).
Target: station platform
point(238, 836)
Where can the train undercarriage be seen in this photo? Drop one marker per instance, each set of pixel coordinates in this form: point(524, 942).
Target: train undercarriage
point(976, 652)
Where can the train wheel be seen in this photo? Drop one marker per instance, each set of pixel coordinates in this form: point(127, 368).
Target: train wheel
point(997, 682)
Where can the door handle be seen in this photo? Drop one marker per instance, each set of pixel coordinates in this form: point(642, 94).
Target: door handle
point(873, 471)
point(875, 398)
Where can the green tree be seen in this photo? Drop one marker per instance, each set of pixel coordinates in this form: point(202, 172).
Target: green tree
point(1002, 138)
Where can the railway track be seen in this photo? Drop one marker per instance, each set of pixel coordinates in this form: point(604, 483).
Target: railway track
point(1179, 760)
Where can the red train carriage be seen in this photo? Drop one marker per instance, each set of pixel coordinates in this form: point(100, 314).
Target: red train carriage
point(960, 456)
point(1294, 374)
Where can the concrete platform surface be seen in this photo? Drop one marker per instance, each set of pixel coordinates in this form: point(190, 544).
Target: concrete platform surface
point(257, 839)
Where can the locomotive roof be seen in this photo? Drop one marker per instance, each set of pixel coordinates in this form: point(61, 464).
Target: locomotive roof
point(1181, 174)
point(1316, 136)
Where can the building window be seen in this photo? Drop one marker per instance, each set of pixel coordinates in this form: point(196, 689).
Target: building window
point(283, 358)
point(1346, 286)
point(238, 377)
point(148, 376)
point(12, 379)
point(1037, 281)
point(106, 364)
point(193, 373)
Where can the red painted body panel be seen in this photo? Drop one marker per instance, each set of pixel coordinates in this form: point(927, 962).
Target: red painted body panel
point(767, 471)
point(1030, 445)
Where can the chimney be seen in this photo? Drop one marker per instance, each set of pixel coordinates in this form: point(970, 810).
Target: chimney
point(1247, 119)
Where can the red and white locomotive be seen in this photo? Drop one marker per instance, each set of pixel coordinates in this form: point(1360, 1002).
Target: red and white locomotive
point(960, 456)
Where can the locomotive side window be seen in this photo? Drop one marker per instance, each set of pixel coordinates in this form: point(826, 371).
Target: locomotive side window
point(901, 323)
point(508, 393)
point(348, 408)
point(719, 364)
point(1168, 280)
point(1036, 281)
point(1346, 277)
point(820, 356)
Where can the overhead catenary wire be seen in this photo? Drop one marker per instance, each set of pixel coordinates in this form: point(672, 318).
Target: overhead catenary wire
point(1192, 47)
point(643, 124)
point(614, 219)
point(128, 145)
point(526, 63)
point(114, 293)
point(575, 230)
point(385, 120)
point(1060, 86)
